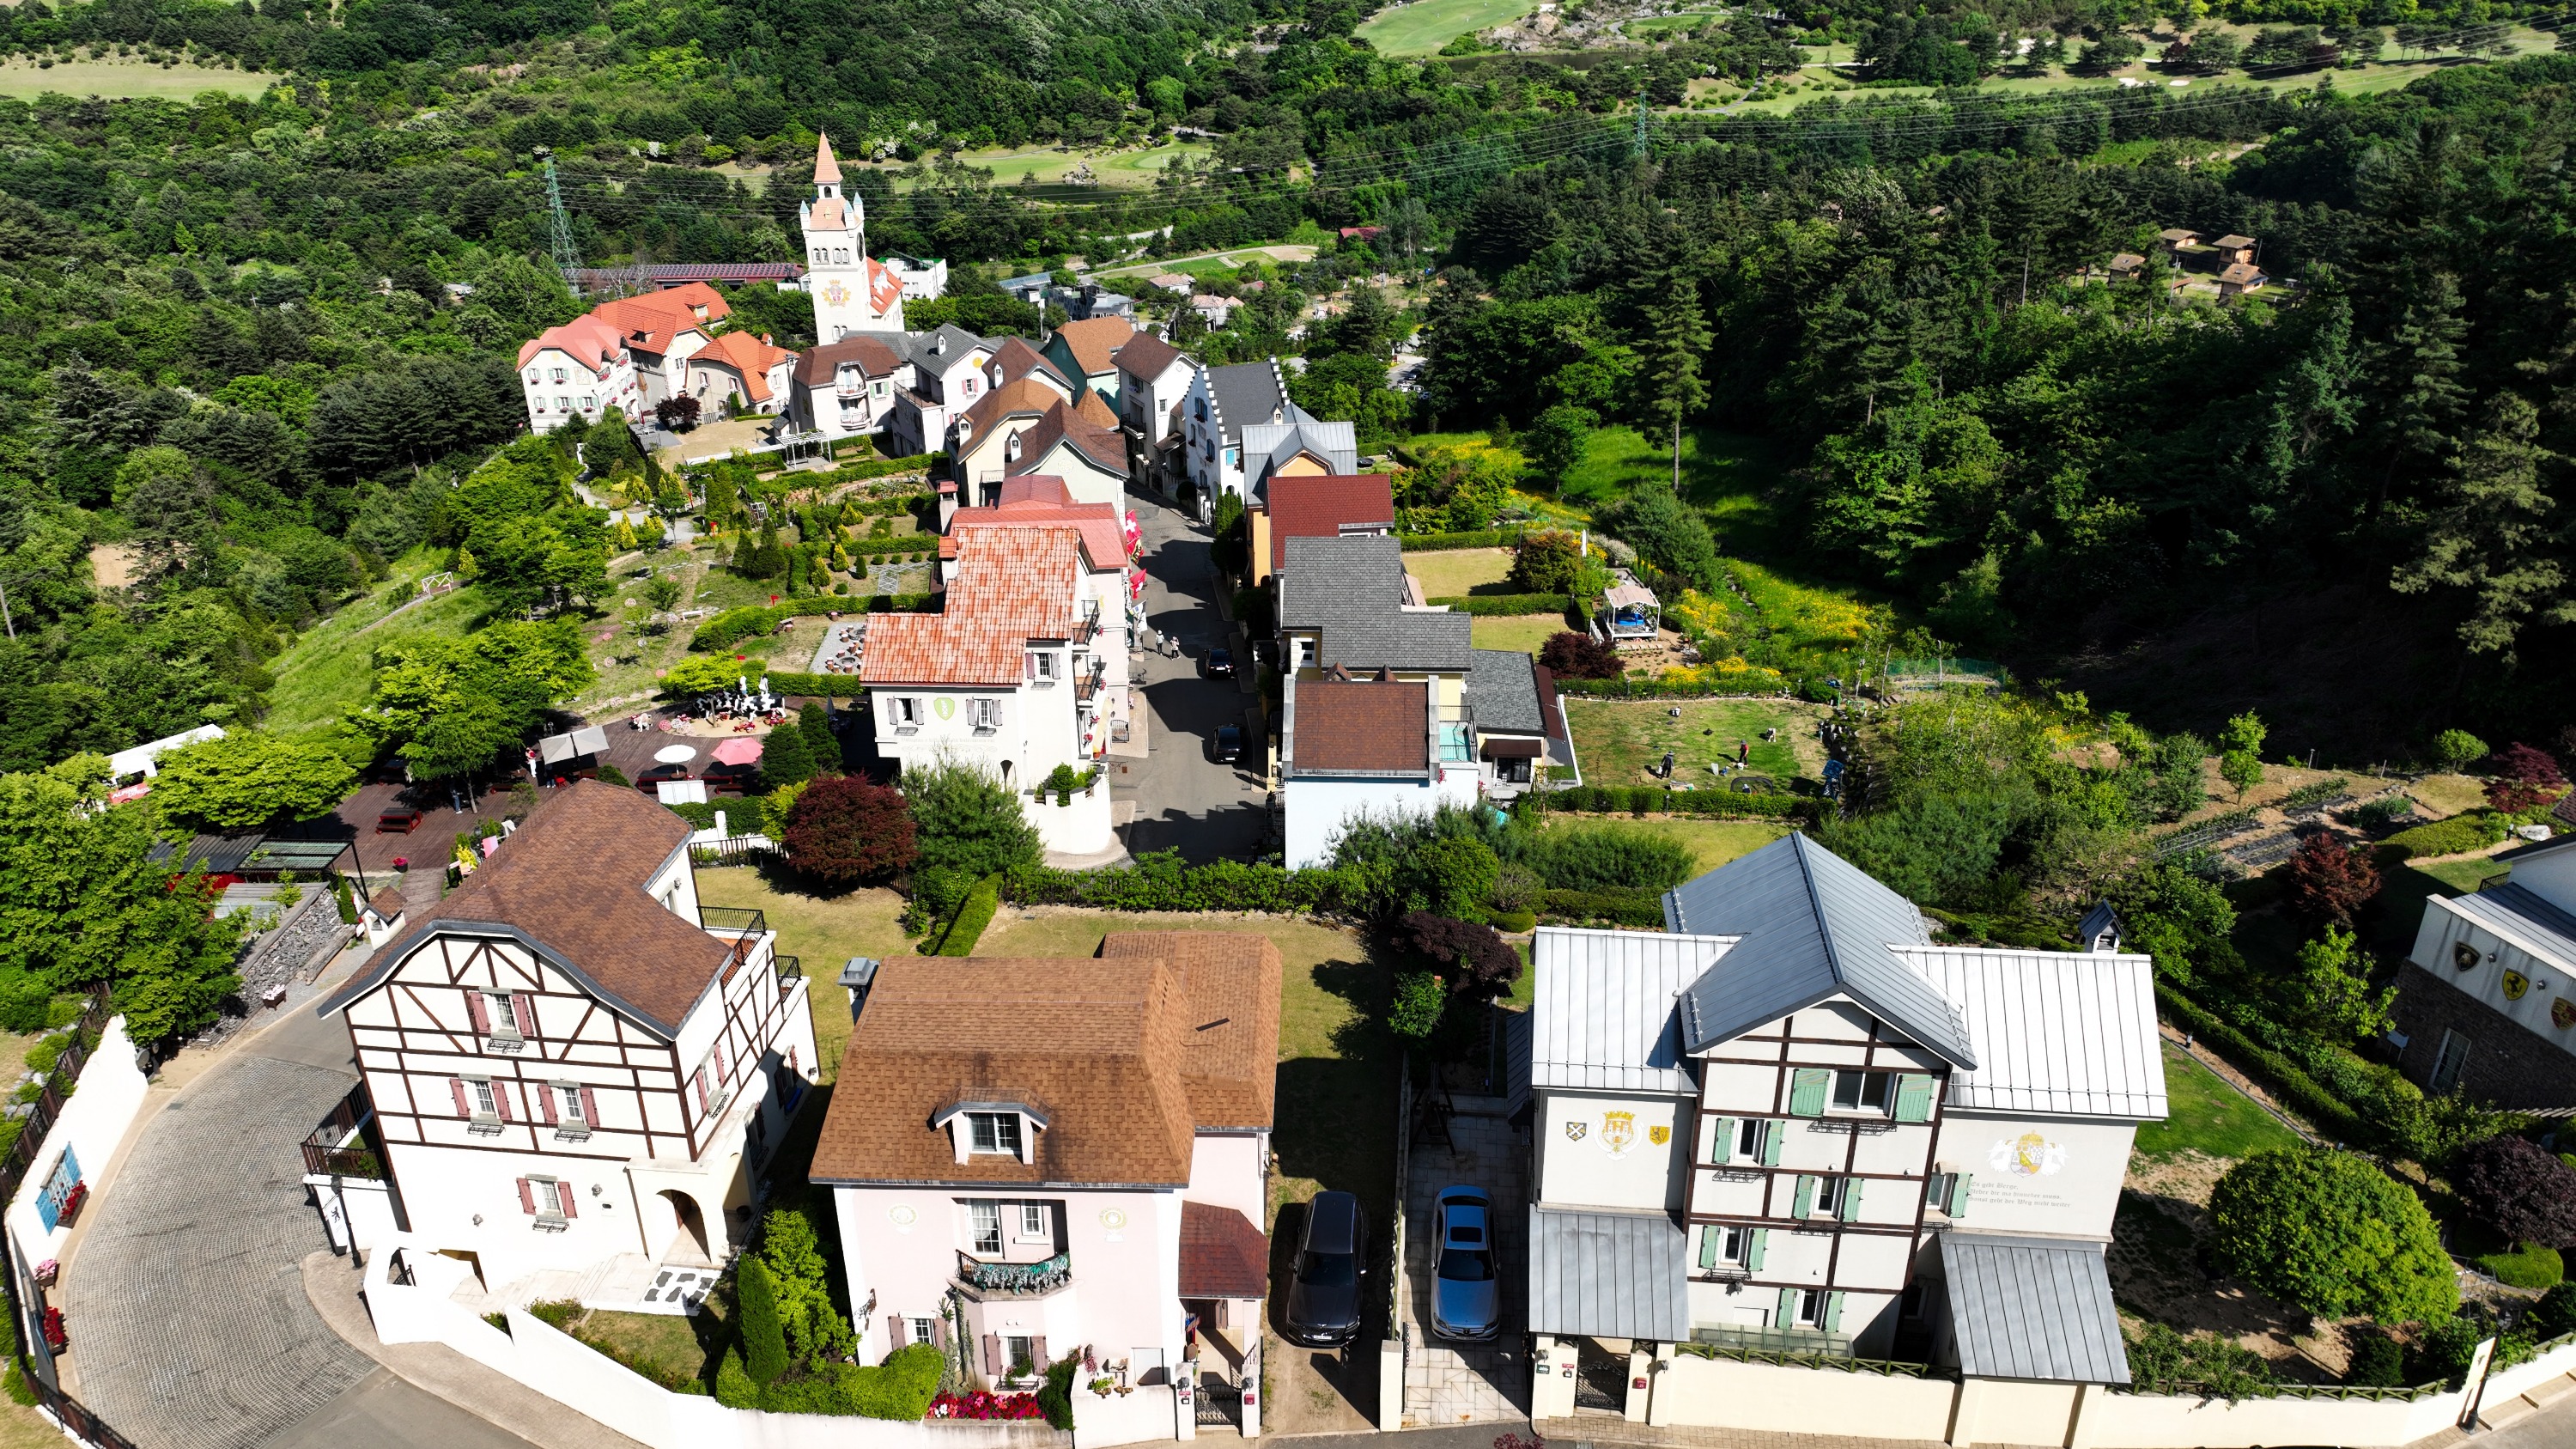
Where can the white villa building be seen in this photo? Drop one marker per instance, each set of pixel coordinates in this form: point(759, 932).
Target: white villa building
point(851, 291)
point(1220, 404)
point(576, 1069)
point(1791, 1122)
point(2486, 1001)
point(581, 367)
point(1153, 378)
point(1031, 1156)
point(1013, 677)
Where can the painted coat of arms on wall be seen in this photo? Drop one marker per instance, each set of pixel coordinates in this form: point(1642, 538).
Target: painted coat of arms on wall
point(1659, 1135)
point(1574, 1131)
point(2029, 1155)
point(836, 294)
point(1618, 1132)
point(2562, 1013)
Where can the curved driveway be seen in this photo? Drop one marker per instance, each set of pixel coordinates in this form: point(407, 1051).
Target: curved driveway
point(190, 1324)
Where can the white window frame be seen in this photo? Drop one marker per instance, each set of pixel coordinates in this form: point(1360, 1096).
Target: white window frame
point(983, 715)
point(907, 713)
point(1037, 1224)
point(549, 1194)
point(1812, 1307)
point(984, 1227)
point(921, 1330)
point(1042, 666)
point(484, 1098)
point(1862, 1083)
point(501, 1019)
point(1018, 1348)
point(570, 1119)
point(1748, 1138)
point(2450, 1059)
point(1829, 1196)
point(1003, 1131)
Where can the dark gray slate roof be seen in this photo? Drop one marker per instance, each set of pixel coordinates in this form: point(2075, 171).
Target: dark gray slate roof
point(1813, 926)
point(2033, 1308)
point(1502, 690)
point(1246, 393)
point(1424, 639)
point(1602, 1274)
point(1331, 579)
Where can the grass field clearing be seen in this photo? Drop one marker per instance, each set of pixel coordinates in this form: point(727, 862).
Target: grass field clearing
point(1616, 739)
point(822, 932)
point(1712, 842)
point(2208, 1116)
point(1424, 26)
point(127, 80)
point(1047, 165)
point(331, 669)
point(1521, 633)
point(1452, 571)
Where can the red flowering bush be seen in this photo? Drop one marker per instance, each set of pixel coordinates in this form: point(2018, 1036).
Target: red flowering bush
point(2525, 778)
point(978, 1404)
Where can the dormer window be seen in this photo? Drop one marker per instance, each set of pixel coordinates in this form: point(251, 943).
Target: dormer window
point(993, 1132)
point(1011, 449)
point(991, 1129)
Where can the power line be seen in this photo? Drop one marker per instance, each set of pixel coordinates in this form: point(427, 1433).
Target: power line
point(567, 258)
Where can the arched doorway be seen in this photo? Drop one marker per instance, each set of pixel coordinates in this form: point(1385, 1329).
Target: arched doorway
point(691, 1239)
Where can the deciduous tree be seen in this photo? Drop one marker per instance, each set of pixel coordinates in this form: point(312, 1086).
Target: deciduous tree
point(1579, 656)
point(2520, 1189)
point(843, 829)
point(249, 778)
point(2328, 1232)
point(1474, 960)
point(2330, 878)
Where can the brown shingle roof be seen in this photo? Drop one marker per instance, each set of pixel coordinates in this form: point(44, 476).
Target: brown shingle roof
point(571, 882)
point(817, 365)
point(1146, 355)
point(387, 903)
point(1222, 1254)
point(1361, 726)
point(1094, 343)
point(1017, 360)
point(1013, 585)
point(1020, 397)
point(1093, 409)
point(1063, 424)
point(1104, 1050)
point(1317, 505)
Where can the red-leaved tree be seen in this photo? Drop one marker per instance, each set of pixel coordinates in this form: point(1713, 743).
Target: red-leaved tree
point(2524, 777)
point(1476, 961)
point(2330, 879)
point(1579, 656)
point(2520, 1189)
point(844, 830)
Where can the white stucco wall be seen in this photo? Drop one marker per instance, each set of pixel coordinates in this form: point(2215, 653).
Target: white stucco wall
point(1317, 810)
point(2037, 1174)
point(1583, 1159)
point(108, 1094)
point(1230, 1170)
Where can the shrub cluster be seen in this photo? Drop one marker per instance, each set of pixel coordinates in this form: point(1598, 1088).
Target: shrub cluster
point(1649, 689)
point(2474, 830)
point(1479, 538)
point(1492, 604)
point(1656, 800)
point(973, 915)
point(1609, 908)
point(1160, 881)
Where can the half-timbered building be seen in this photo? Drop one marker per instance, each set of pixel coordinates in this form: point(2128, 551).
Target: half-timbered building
point(1783, 1122)
point(574, 1064)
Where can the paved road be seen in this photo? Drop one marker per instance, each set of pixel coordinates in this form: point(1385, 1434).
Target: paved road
point(190, 1324)
point(2551, 1428)
point(1185, 800)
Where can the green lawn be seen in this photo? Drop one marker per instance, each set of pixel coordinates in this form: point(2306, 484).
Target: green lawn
point(1616, 739)
point(330, 670)
point(1336, 1115)
point(1045, 165)
point(2208, 1116)
point(823, 932)
point(1653, 25)
point(1726, 473)
point(1522, 633)
point(1712, 842)
point(1452, 571)
point(119, 80)
point(1424, 26)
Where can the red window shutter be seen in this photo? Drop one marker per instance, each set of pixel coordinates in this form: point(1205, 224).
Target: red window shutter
point(589, 1107)
point(528, 1197)
point(501, 1099)
point(564, 1194)
point(724, 1072)
point(546, 1105)
point(1028, 667)
point(993, 1354)
point(525, 1014)
point(702, 1089)
point(894, 1329)
point(464, 1108)
point(474, 1009)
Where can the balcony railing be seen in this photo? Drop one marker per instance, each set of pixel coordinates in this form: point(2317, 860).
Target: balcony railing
point(1027, 1280)
point(339, 1146)
point(789, 968)
point(742, 927)
point(1085, 627)
point(1087, 684)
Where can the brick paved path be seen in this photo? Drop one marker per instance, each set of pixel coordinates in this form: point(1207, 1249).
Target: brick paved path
point(1455, 1383)
point(190, 1325)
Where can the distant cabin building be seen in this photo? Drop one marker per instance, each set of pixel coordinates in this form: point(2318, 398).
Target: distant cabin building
point(2486, 1002)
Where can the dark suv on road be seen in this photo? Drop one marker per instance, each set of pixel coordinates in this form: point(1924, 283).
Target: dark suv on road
point(1332, 1257)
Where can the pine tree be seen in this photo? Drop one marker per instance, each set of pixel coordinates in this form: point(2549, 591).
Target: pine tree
point(1672, 360)
point(2491, 533)
point(815, 723)
point(764, 1340)
point(785, 758)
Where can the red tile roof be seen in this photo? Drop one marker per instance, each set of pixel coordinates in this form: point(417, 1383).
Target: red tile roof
point(1317, 505)
point(1104, 539)
point(748, 356)
point(1222, 1254)
point(586, 340)
point(650, 321)
point(827, 169)
point(1360, 726)
point(1013, 585)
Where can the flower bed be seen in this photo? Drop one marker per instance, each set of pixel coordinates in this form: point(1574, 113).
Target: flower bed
point(977, 1404)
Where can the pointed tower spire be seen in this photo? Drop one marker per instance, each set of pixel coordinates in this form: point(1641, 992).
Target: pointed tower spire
point(827, 171)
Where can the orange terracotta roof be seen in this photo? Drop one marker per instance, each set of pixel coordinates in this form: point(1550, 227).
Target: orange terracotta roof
point(828, 213)
point(827, 168)
point(1091, 409)
point(586, 340)
point(1127, 1057)
point(1104, 540)
point(748, 356)
point(1013, 585)
point(1094, 343)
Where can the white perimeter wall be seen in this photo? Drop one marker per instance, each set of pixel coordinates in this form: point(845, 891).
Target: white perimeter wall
point(109, 1092)
point(1318, 809)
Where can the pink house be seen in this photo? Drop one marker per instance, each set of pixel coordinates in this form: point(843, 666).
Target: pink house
point(1035, 1157)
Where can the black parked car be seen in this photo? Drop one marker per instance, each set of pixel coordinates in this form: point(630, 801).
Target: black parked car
point(1324, 1296)
point(1220, 662)
point(1229, 743)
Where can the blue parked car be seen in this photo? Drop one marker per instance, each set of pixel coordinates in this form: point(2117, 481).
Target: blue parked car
point(1467, 1290)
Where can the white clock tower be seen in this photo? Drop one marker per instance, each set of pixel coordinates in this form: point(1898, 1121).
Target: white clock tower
point(850, 292)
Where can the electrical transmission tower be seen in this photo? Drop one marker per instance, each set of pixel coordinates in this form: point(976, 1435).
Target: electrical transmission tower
point(1636, 147)
point(567, 260)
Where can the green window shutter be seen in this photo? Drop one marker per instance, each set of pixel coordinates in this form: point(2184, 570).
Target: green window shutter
point(1913, 1098)
point(1771, 1135)
point(1754, 1250)
point(1958, 1204)
point(1805, 1199)
point(1710, 1240)
point(1807, 1088)
point(1788, 1309)
point(1833, 1313)
point(1851, 1200)
point(1721, 1147)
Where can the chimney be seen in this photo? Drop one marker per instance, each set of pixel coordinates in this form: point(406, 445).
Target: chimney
point(764, 339)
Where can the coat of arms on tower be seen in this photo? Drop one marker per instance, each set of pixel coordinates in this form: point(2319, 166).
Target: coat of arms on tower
point(836, 293)
point(1618, 1132)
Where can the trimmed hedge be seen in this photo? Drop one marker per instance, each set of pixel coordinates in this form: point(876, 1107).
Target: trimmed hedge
point(1655, 689)
point(1489, 604)
point(1162, 883)
point(2475, 830)
point(1617, 908)
point(973, 914)
point(1656, 800)
point(2273, 1069)
point(1481, 538)
point(735, 625)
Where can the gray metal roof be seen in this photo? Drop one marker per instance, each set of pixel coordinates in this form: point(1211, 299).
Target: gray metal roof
point(1266, 445)
point(1813, 926)
point(2523, 916)
point(1330, 579)
point(1603, 1013)
point(2032, 1308)
point(1502, 691)
point(1601, 1274)
point(2067, 1033)
point(1246, 393)
point(1432, 639)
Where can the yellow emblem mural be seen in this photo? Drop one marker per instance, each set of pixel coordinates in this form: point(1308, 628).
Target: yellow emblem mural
point(1618, 1132)
point(1659, 1135)
point(2515, 983)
